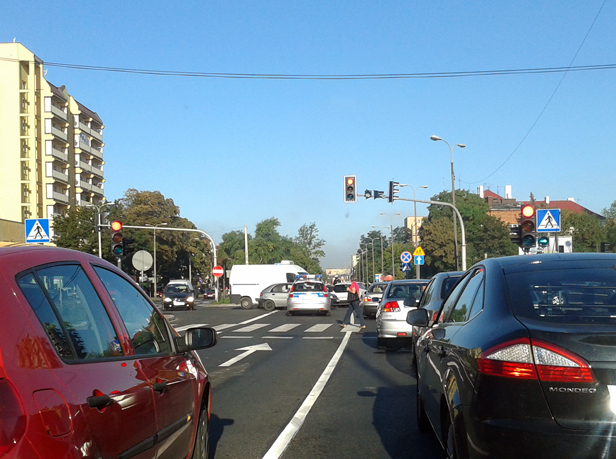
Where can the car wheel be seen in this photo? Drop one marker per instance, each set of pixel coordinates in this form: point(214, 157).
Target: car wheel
point(202, 442)
point(269, 305)
point(422, 418)
point(290, 313)
point(327, 313)
point(246, 303)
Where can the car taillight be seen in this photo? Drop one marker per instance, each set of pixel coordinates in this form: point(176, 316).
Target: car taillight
point(391, 306)
point(537, 360)
point(367, 300)
point(12, 417)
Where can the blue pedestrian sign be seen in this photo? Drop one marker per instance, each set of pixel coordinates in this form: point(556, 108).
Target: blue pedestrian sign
point(406, 257)
point(548, 220)
point(37, 230)
point(406, 266)
point(419, 259)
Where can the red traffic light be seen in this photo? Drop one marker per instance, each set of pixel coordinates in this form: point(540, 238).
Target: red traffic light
point(116, 225)
point(528, 211)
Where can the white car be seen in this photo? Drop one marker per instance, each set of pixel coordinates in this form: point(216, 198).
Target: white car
point(341, 292)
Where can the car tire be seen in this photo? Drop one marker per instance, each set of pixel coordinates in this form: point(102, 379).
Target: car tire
point(423, 425)
point(289, 313)
point(202, 440)
point(327, 313)
point(269, 305)
point(246, 303)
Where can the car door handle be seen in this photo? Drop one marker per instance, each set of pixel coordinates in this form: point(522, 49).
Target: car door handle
point(99, 401)
point(159, 387)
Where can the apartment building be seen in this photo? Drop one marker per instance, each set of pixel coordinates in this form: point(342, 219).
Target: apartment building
point(51, 146)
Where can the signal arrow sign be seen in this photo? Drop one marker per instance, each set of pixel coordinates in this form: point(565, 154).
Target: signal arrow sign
point(248, 350)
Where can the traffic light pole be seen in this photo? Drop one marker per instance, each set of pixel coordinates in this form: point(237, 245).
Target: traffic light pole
point(159, 228)
point(440, 203)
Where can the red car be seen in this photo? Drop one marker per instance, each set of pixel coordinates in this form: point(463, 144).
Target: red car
point(89, 367)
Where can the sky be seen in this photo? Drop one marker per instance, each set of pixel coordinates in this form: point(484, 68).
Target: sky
point(232, 152)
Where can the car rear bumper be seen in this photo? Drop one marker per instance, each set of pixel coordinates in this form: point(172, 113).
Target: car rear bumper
point(393, 329)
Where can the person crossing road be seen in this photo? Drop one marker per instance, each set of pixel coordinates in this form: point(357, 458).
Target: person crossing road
point(353, 297)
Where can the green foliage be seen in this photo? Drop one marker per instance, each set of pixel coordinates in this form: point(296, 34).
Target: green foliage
point(586, 230)
point(610, 212)
point(77, 230)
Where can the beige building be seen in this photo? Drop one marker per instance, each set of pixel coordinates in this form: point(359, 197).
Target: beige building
point(51, 146)
point(409, 222)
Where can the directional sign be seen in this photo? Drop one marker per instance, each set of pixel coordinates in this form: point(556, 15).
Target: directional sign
point(548, 220)
point(418, 251)
point(248, 350)
point(37, 230)
point(406, 266)
point(217, 271)
point(419, 259)
point(405, 257)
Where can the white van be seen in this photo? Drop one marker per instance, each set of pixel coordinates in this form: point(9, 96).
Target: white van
point(248, 281)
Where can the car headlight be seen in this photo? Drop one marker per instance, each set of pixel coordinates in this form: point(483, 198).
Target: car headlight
point(168, 300)
point(190, 299)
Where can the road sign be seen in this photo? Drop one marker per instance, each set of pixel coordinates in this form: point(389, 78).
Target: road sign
point(142, 260)
point(419, 259)
point(405, 257)
point(419, 251)
point(217, 271)
point(548, 220)
point(406, 266)
point(37, 230)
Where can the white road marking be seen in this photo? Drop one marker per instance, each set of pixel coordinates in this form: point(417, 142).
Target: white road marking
point(248, 350)
point(186, 327)
point(250, 328)
point(222, 327)
point(317, 337)
point(318, 328)
point(283, 440)
point(284, 328)
point(277, 337)
point(236, 337)
point(257, 318)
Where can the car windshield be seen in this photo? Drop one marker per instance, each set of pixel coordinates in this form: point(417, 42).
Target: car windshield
point(405, 291)
point(571, 296)
point(308, 287)
point(176, 288)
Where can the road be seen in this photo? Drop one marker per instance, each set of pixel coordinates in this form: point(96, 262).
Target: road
point(300, 386)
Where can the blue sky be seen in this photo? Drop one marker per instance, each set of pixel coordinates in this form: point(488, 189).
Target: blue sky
point(233, 152)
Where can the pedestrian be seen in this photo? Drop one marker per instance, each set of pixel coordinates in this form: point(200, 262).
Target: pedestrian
point(353, 298)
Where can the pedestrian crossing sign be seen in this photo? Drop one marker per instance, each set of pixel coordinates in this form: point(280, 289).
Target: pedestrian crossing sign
point(548, 220)
point(37, 230)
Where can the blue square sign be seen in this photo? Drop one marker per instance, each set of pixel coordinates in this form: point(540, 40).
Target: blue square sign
point(37, 230)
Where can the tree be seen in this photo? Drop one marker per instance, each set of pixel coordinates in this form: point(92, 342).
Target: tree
point(586, 231)
point(610, 212)
point(307, 250)
point(76, 230)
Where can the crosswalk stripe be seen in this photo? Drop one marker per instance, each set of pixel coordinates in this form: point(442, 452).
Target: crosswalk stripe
point(186, 327)
point(250, 328)
point(222, 327)
point(318, 328)
point(284, 328)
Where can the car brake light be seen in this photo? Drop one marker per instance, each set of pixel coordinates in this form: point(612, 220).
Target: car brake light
point(367, 300)
point(537, 360)
point(12, 417)
point(391, 306)
point(434, 314)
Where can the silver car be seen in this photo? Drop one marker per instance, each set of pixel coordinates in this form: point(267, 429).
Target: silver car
point(372, 298)
point(392, 330)
point(275, 296)
point(309, 296)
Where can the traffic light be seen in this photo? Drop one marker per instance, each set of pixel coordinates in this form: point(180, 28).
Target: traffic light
point(528, 227)
point(606, 247)
point(126, 248)
point(393, 191)
point(350, 188)
point(514, 234)
point(543, 241)
point(117, 244)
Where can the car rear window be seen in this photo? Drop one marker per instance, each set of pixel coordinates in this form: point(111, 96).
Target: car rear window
point(308, 287)
point(406, 291)
point(377, 288)
point(448, 285)
point(571, 296)
point(340, 287)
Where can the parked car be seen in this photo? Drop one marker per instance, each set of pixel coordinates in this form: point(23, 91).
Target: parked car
point(340, 290)
point(372, 297)
point(90, 367)
point(275, 296)
point(209, 294)
point(392, 330)
point(437, 290)
point(521, 360)
point(178, 295)
point(308, 295)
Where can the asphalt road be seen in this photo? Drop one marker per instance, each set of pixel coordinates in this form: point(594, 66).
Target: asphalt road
point(299, 386)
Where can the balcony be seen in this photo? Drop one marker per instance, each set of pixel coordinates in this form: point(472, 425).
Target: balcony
point(98, 171)
point(59, 113)
point(59, 134)
point(97, 189)
point(98, 135)
point(83, 166)
point(59, 154)
point(58, 175)
point(84, 185)
point(60, 197)
point(84, 128)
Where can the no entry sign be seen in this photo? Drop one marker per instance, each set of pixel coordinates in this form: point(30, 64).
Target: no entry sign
point(217, 271)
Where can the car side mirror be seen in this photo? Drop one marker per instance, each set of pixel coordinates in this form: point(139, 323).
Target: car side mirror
point(411, 302)
point(196, 339)
point(418, 317)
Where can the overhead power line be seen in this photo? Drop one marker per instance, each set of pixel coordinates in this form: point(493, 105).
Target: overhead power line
point(368, 76)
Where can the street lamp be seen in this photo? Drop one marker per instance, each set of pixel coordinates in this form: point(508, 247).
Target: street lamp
point(155, 279)
point(453, 193)
point(372, 242)
point(391, 227)
point(381, 237)
point(415, 237)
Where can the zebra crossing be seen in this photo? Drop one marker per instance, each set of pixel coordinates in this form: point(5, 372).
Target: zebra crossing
point(273, 333)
